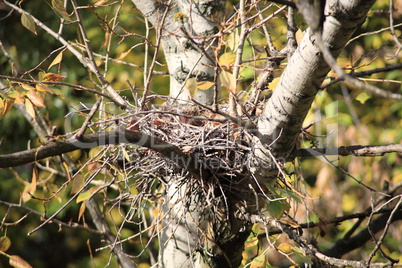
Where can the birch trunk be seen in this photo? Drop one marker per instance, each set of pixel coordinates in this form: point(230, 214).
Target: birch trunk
point(188, 38)
point(193, 236)
point(283, 116)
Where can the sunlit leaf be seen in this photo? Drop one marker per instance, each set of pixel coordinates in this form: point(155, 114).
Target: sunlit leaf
point(227, 59)
point(86, 195)
point(253, 242)
point(83, 196)
point(35, 97)
point(205, 85)
point(286, 248)
point(58, 58)
point(100, 3)
point(233, 41)
point(5, 243)
point(52, 77)
point(30, 108)
point(18, 262)
point(7, 106)
point(30, 188)
point(28, 22)
point(363, 97)
point(81, 211)
point(191, 86)
point(258, 262)
point(124, 54)
point(44, 89)
point(228, 81)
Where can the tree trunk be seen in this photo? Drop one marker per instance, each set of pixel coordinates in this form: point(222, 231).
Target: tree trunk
point(194, 234)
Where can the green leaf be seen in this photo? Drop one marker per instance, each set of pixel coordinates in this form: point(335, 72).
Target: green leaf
point(28, 22)
point(363, 97)
point(278, 207)
point(83, 196)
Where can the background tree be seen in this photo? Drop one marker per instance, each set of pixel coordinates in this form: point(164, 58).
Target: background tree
point(213, 177)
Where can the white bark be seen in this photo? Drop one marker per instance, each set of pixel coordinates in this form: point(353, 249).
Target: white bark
point(283, 115)
point(187, 40)
point(188, 31)
point(189, 237)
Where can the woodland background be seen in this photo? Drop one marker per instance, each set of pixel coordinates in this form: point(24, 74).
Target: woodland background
point(351, 116)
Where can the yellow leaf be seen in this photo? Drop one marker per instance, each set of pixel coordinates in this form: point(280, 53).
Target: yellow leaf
point(35, 97)
point(227, 59)
point(286, 248)
point(5, 243)
point(31, 188)
point(7, 106)
point(126, 155)
point(233, 41)
point(56, 60)
point(191, 86)
point(81, 211)
point(205, 85)
point(43, 88)
point(124, 54)
point(100, 3)
point(258, 262)
point(30, 108)
point(228, 81)
point(18, 262)
point(28, 22)
point(52, 77)
point(251, 243)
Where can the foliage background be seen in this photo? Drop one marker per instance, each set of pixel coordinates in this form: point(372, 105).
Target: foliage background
point(362, 120)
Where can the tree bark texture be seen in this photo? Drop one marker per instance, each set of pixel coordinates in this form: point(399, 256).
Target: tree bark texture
point(193, 234)
point(283, 116)
point(188, 38)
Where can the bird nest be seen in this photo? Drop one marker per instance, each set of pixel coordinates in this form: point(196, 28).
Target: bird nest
point(219, 147)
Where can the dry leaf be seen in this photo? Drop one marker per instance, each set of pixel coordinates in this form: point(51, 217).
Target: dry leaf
point(228, 81)
point(18, 262)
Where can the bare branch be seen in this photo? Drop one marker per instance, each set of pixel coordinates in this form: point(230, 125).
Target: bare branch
point(118, 136)
point(356, 150)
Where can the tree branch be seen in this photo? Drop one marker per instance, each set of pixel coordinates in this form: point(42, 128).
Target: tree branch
point(344, 246)
point(88, 141)
point(356, 150)
point(326, 257)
